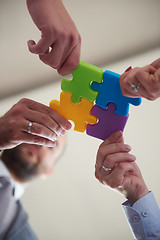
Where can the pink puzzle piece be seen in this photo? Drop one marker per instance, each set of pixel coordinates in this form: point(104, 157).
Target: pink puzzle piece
point(109, 122)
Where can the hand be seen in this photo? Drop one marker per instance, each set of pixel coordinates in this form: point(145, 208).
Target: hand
point(47, 124)
point(121, 171)
point(60, 42)
point(146, 79)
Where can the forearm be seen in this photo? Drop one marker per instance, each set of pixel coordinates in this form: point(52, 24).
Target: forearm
point(144, 218)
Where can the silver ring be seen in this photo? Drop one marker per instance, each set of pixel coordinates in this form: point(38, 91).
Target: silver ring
point(134, 88)
point(29, 127)
point(107, 169)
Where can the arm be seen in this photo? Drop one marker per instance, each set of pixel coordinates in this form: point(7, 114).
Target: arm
point(8, 206)
point(143, 217)
point(116, 167)
point(46, 125)
point(146, 79)
point(60, 42)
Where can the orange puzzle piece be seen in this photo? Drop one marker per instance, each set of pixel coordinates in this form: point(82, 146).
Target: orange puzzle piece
point(78, 113)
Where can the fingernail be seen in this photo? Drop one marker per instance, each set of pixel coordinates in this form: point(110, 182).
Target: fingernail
point(128, 69)
point(127, 147)
point(118, 135)
point(133, 157)
point(68, 126)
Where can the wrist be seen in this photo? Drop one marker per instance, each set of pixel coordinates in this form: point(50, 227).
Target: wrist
point(138, 193)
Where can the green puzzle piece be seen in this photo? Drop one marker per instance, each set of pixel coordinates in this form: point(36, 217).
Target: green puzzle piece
point(80, 85)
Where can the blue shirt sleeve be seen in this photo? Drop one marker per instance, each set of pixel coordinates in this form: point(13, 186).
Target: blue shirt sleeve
point(144, 218)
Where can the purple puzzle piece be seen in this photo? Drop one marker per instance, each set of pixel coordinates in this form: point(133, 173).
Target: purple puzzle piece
point(109, 122)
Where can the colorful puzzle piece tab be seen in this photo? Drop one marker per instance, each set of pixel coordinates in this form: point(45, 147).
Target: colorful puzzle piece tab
point(78, 113)
point(80, 85)
point(108, 123)
point(110, 91)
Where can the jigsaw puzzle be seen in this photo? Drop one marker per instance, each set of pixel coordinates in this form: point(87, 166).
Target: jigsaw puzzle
point(110, 91)
point(78, 113)
point(91, 85)
point(80, 85)
point(109, 122)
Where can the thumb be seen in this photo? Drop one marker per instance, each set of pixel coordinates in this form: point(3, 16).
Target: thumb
point(38, 48)
point(114, 138)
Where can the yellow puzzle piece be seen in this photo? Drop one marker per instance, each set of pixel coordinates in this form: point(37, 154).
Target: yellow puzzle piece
point(78, 113)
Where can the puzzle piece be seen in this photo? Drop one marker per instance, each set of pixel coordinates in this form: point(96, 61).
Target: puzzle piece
point(110, 91)
point(78, 113)
point(80, 85)
point(108, 123)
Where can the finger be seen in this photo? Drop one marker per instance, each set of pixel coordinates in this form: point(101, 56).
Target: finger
point(71, 62)
point(54, 57)
point(139, 78)
point(72, 43)
point(46, 121)
point(34, 139)
point(148, 82)
point(40, 130)
point(49, 116)
point(114, 138)
point(61, 49)
point(112, 160)
point(156, 63)
point(43, 44)
point(111, 149)
point(117, 177)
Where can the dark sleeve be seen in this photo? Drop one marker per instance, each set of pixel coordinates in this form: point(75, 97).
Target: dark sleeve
point(8, 206)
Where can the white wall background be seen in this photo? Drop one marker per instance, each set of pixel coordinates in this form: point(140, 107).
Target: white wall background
point(72, 204)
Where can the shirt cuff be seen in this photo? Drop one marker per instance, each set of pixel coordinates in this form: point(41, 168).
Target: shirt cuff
point(143, 217)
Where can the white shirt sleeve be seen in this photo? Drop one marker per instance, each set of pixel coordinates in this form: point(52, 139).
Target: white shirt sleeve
point(144, 218)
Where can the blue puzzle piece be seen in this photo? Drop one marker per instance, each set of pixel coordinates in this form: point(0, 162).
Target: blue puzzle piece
point(110, 91)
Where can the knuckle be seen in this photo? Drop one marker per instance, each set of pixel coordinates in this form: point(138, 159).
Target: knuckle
point(73, 39)
point(152, 94)
point(45, 118)
point(63, 36)
point(48, 110)
point(12, 124)
point(38, 129)
point(36, 139)
point(121, 166)
point(24, 101)
point(117, 145)
point(17, 110)
point(72, 63)
point(39, 49)
point(108, 159)
point(55, 31)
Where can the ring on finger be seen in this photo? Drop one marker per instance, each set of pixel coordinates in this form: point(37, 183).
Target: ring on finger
point(107, 169)
point(135, 88)
point(29, 127)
